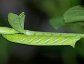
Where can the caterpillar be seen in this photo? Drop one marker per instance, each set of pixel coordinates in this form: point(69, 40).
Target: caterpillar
point(40, 38)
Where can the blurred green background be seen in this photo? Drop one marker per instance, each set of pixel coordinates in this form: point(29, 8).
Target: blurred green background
point(41, 15)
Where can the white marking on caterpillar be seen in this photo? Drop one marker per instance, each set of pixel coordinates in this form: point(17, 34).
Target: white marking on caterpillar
point(30, 40)
point(22, 39)
point(63, 41)
point(38, 40)
point(55, 41)
point(47, 40)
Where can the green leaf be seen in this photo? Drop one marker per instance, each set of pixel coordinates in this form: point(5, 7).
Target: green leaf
point(22, 19)
point(74, 14)
point(57, 22)
point(44, 40)
point(17, 21)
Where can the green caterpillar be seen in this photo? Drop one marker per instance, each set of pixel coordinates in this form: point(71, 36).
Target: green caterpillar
point(40, 38)
point(19, 35)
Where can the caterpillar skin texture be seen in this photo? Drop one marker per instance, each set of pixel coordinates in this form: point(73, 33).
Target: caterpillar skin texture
point(40, 38)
